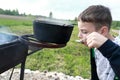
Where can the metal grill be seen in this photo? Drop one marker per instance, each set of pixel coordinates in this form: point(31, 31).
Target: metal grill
point(16, 50)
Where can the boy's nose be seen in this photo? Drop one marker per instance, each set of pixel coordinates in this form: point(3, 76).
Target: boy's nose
point(79, 35)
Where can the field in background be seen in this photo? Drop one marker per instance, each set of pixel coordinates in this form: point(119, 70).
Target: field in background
point(16, 24)
point(72, 59)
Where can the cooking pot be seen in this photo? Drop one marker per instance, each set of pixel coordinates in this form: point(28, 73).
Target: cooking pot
point(52, 30)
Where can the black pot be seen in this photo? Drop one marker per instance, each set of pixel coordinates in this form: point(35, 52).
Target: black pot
point(52, 30)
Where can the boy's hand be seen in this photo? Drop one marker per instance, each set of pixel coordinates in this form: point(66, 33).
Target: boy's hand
point(95, 40)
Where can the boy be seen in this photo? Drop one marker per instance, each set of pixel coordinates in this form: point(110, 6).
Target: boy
point(97, 18)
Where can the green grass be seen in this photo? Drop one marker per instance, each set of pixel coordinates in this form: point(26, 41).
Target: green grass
point(69, 60)
point(16, 26)
point(21, 29)
point(15, 22)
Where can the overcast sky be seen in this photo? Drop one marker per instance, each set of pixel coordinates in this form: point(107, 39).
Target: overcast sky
point(61, 9)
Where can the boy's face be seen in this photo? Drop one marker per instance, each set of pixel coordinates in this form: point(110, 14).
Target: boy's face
point(85, 28)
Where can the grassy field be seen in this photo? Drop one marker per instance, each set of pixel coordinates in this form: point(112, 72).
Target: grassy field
point(72, 59)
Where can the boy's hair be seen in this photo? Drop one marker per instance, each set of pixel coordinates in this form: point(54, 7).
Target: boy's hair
point(98, 15)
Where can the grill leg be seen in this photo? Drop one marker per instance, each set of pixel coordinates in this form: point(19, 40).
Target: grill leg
point(22, 69)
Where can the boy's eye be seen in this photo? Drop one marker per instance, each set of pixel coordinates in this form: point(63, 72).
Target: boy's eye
point(84, 32)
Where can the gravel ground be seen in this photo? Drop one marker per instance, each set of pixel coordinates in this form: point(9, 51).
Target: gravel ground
point(36, 75)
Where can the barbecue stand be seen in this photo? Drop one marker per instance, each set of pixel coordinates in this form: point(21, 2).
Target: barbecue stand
point(35, 45)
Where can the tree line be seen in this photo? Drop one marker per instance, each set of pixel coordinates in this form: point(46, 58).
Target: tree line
point(116, 24)
point(11, 12)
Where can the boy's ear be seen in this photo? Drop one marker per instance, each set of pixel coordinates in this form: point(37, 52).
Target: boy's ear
point(104, 30)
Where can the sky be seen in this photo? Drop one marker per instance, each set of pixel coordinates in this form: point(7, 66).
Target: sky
point(61, 9)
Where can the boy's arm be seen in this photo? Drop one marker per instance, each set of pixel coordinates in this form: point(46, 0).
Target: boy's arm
point(112, 52)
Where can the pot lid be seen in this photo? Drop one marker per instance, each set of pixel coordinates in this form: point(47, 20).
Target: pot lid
point(54, 22)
